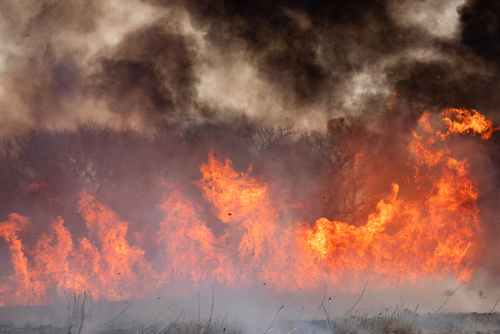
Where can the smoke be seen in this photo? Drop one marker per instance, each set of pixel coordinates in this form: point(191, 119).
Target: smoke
point(144, 63)
point(117, 96)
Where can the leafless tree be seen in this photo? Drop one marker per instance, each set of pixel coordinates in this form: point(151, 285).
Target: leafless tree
point(353, 160)
point(264, 138)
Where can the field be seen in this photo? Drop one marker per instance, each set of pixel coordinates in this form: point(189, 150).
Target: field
point(404, 322)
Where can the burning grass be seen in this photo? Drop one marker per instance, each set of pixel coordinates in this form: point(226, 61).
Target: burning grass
point(428, 225)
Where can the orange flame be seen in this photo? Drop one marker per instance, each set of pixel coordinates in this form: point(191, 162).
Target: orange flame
point(468, 122)
point(192, 253)
point(404, 239)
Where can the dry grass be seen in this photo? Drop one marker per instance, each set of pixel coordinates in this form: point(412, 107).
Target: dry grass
point(219, 326)
point(389, 321)
point(79, 311)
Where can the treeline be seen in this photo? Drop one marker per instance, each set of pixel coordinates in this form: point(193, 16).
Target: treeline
point(339, 174)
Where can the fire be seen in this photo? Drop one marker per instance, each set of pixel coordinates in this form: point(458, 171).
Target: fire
point(20, 279)
point(192, 254)
point(433, 233)
point(468, 122)
point(117, 269)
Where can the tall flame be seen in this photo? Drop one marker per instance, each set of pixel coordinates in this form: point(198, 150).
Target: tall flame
point(432, 234)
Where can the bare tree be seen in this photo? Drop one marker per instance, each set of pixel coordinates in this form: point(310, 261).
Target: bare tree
point(265, 138)
point(354, 164)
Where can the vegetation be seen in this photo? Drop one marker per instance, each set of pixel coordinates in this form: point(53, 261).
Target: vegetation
point(82, 319)
point(386, 323)
point(339, 174)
